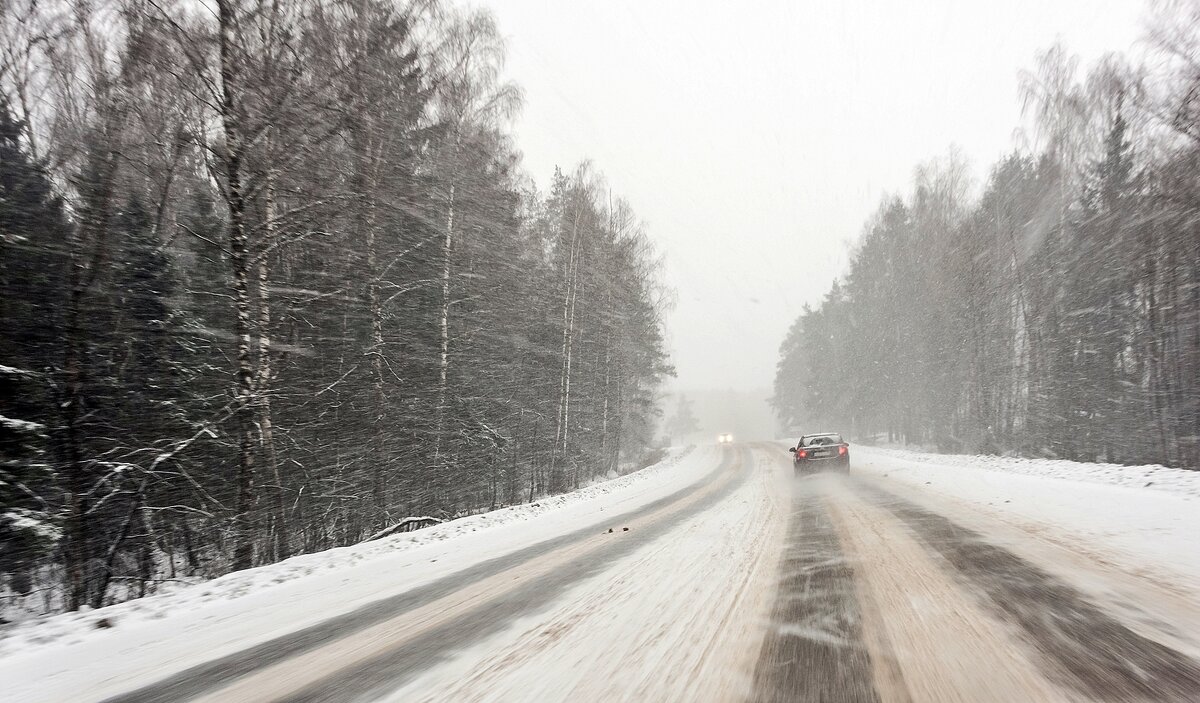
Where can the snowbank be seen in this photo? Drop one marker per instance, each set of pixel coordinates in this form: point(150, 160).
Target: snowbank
point(1159, 478)
point(135, 642)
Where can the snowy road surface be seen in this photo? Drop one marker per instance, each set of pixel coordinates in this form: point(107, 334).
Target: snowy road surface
point(720, 577)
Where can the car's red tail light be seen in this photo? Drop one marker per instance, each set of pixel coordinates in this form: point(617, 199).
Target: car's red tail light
point(841, 451)
point(801, 454)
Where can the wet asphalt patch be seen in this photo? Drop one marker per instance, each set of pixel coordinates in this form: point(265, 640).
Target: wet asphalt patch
point(814, 649)
point(1080, 645)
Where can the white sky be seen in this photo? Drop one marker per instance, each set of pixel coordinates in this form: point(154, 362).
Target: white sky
point(755, 138)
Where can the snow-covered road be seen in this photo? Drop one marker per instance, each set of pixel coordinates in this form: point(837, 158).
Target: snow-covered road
point(915, 578)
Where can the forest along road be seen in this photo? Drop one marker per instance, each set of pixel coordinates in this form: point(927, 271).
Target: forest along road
point(750, 585)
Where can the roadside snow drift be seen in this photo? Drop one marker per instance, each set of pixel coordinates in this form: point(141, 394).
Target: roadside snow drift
point(1154, 476)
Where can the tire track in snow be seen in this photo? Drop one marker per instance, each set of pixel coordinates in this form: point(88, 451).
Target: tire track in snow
point(680, 619)
point(814, 650)
point(370, 663)
point(1080, 645)
point(219, 673)
point(929, 638)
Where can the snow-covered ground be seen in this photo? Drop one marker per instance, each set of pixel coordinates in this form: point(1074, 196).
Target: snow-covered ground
point(1159, 478)
point(54, 658)
point(1140, 519)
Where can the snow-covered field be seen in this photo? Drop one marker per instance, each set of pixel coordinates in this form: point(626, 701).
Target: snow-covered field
point(52, 658)
point(1141, 519)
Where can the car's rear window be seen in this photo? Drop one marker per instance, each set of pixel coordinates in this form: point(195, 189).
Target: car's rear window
point(820, 440)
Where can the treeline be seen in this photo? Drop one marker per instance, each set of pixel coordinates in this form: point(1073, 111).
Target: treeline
point(272, 280)
point(1057, 313)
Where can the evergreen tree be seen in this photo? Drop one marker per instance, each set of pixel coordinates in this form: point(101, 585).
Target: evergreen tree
point(32, 276)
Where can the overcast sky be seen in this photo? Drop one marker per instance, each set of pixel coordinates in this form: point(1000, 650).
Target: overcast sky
point(755, 138)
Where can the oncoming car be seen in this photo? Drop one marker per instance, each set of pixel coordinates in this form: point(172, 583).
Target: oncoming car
point(817, 451)
point(725, 438)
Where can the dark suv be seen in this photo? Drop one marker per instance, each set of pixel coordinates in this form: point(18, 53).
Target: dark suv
point(816, 451)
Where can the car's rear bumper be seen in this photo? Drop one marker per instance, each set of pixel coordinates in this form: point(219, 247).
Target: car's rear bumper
point(818, 463)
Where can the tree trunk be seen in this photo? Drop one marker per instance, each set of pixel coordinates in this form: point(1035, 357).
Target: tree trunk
point(379, 397)
point(262, 386)
point(76, 551)
point(562, 432)
point(444, 324)
point(239, 259)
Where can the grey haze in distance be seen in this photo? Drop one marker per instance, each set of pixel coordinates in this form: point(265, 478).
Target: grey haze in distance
point(756, 140)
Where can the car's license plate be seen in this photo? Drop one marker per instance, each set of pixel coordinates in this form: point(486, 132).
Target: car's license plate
point(817, 455)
